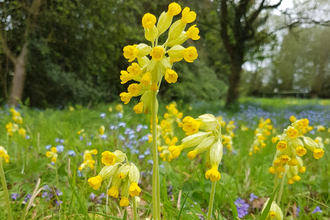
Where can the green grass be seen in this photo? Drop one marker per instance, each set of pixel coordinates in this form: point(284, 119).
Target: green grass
point(241, 174)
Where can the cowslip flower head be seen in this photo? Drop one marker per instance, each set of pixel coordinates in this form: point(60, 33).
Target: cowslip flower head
point(156, 61)
point(4, 154)
point(109, 158)
point(291, 147)
point(261, 133)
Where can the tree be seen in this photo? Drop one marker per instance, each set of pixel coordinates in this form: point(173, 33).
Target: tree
point(18, 58)
point(238, 22)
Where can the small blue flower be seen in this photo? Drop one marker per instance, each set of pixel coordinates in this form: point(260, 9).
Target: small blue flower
point(317, 209)
point(119, 115)
point(139, 128)
point(57, 140)
point(121, 137)
point(102, 196)
point(81, 138)
point(61, 141)
point(122, 124)
point(48, 146)
point(161, 166)
point(242, 207)
point(58, 202)
point(102, 115)
point(27, 197)
point(145, 127)
point(71, 153)
point(151, 161)
point(147, 152)
point(104, 136)
point(60, 148)
point(141, 156)
point(89, 143)
point(44, 194)
point(59, 192)
point(297, 211)
point(14, 196)
point(252, 197)
point(27, 136)
point(131, 136)
point(79, 173)
point(112, 127)
point(92, 196)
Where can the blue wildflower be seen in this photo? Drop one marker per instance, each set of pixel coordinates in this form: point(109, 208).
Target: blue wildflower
point(14, 196)
point(151, 162)
point(71, 153)
point(48, 146)
point(61, 141)
point(112, 127)
point(119, 115)
point(89, 143)
point(27, 136)
point(141, 156)
point(104, 136)
point(81, 138)
point(297, 211)
point(59, 192)
point(57, 140)
point(122, 124)
point(242, 207)
point(27, 197)
point(58, 202)
point(92, 196)
point(252, 197)
point(147, 152)
point(60, 148)
point(317, 209)
point(102, 115)
point(139, 128)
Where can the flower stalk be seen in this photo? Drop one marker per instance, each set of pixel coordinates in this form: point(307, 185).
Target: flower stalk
point(5, 190)
point(209, 214)
point(155, 166)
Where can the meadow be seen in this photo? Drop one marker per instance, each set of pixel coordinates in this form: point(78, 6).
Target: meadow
point(43, 188)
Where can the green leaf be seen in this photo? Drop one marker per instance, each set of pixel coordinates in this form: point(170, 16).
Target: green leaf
point(125, 215)
point(185, 199)
point(231, 202)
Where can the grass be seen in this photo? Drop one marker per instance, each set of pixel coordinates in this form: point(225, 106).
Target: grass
point(185, 191)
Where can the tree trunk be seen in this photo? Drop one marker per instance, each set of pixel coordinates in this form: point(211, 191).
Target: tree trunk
point(19, 77)
point(234, 79)
point(319, 79)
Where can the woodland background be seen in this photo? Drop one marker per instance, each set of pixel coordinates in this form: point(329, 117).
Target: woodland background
point(56, 53)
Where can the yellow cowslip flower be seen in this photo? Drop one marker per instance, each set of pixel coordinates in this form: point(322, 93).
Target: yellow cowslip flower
point(125, 77)
point(134, 69)
point(109, 158)
point(281, 146)
point(174, 9)
point(303, 123)
point(157, 53)
point(124, 202)
point(119, 108)
point(190, 125)
point(134, 189)
point(134, 89)
point(301, 151)
point(22, 132)
point(54, 159)
point(138, 108)
point(146, 79)
point(193, 32)
point(130, 52)
point(95, 182)
point(113, 192)
point(148, 21)
point(53, 149)
point(213, 174)
point(292, 133)
point(292, 118)
point(190, 54)
point(171, 76)
point(318, 153)
point(187, 16)
point(102, 129)
point(125, 97)
point(4, 154)
point(154, 87)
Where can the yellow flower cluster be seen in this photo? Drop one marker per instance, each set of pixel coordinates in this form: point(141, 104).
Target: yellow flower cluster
point(88, 160)
point(291, 146)
point(155, 62)
point(52, 154)
point(122, 175)
point(166, 131)
point(261, 133)
point(227, 139)
point(4, 154)
point(209, 140)
point(13, 127)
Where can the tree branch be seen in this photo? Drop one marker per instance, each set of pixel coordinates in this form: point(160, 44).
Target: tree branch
point(5, 48)
point(224, 29)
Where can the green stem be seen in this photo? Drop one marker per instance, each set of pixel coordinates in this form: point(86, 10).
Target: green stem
point(56, 173)
point(155, 167)
point(276, 183)
point(281, 190)
point(209, 213)
point(5, 190)
point(135, 214)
